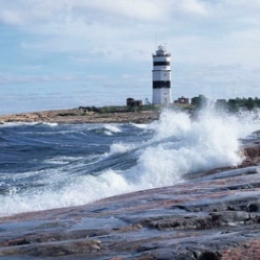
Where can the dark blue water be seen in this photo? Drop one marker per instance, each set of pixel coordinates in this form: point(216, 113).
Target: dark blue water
point(45, 166)
point(38, 146)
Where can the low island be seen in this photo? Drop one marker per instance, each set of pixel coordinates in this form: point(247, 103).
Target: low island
point(79, 115)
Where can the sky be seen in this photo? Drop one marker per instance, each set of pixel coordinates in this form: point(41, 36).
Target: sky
point(70, 53)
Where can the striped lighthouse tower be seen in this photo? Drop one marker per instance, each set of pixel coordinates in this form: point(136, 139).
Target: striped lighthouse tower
point(161, 77)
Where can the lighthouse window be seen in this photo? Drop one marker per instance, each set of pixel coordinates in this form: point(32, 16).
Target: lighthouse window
point(161, 63)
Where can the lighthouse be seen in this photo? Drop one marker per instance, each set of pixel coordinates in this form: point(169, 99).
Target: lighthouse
point(161, 77)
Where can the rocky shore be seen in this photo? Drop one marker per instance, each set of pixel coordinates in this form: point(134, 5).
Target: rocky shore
point(212, 215)
point(77, 116)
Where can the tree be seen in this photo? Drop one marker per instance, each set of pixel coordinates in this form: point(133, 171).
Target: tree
point(250, 104)
point(233, 105)
point(199, 101)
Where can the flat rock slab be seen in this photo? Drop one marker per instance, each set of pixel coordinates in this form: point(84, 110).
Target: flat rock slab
point(212, 215)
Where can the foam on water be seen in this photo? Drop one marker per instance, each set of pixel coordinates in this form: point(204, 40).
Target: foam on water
point(142, 126)
point(179, 145)
point(77, 192)
point(120, 148)
point(113, 129)
point(14, 124)
point(50, 124)
point(62, 160)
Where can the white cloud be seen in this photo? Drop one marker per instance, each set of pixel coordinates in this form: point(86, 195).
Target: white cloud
point(199, 30)
point(135, 9)
point(122, 12)
point(65, 11)
point(11, 17)
point(190, 7)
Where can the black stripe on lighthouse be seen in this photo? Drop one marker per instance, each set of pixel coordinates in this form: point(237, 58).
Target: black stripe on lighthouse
point(161, 63)
point(161, 84)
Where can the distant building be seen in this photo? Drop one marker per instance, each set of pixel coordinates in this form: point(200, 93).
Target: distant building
point(130, 102)
point(161, 77)
point(182, 100)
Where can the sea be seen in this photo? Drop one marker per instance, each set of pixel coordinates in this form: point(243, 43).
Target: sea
point(50, 165)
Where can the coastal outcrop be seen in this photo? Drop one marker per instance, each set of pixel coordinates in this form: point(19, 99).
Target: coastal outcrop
point(76, 116)
point(212, 215)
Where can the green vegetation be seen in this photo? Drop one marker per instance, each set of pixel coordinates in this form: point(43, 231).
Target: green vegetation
point(199, 101)
point(234, 105)
point(231, 105)
point(104, 110)
point(112, 109)
point(66, 114)
point(117, 109)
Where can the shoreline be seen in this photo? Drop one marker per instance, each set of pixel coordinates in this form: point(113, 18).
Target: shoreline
point(75, 116)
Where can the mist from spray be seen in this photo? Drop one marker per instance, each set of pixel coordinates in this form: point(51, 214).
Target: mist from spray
point(187, 145)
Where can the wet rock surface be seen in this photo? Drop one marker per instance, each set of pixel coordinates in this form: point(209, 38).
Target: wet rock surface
point(212, 215)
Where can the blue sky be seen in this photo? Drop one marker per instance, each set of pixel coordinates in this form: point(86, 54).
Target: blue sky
point(70, 53)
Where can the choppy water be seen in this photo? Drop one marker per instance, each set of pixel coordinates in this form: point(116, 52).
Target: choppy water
point(45, 166)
